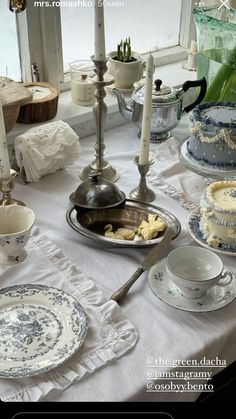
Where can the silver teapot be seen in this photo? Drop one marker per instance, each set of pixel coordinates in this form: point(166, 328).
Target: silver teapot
point(166, 106)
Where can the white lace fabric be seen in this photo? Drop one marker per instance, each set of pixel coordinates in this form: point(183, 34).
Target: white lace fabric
point(109, 335)
point(169, 175)
point(45, 149)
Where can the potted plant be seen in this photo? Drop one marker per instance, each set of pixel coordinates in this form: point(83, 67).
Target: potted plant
point(125, 65)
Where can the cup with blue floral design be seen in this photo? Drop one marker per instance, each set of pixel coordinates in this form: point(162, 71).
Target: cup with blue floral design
point(194, 270)
point(16, 223)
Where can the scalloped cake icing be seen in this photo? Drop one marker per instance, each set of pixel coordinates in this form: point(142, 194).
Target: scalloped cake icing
point(218, 214)
point(213, 134)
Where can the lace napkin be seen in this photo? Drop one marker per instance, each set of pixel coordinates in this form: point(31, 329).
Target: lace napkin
point(169, 175)
point(109, 335)
point(46, 149)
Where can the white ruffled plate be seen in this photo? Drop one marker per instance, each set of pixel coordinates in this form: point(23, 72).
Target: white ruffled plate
point(163, 288)
point(195, 232)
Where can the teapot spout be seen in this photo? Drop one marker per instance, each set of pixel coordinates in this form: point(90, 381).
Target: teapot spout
point(125, 110)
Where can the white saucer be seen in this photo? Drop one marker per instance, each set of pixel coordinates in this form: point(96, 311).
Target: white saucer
point(195, 231)
point(163, 288)
point(201, 168)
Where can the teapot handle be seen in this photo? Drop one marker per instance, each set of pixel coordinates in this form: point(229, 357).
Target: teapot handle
point(195, 83)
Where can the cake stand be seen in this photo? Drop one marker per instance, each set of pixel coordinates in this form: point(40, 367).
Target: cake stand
point(204, 169)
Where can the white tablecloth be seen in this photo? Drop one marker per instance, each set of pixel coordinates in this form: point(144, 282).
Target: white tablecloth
point(109, 334)
point(164, 332)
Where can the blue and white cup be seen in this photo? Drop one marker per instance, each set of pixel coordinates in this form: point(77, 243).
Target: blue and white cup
point(194, 270)
point(16, 223)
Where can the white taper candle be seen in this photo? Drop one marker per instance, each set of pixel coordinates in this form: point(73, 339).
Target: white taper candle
point(99, 31)
point(147, 113)
point(5, 169)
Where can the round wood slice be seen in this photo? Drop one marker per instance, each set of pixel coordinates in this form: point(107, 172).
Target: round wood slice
point(12, 95)
point(42, 107)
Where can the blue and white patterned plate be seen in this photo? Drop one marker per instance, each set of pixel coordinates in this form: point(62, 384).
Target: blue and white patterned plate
point(195, 231)
point(203, 169)
point(40, 328)
point(163, 288)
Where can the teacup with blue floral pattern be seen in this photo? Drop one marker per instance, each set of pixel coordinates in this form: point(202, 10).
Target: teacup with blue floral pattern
point(194, 270)
point(16, 223)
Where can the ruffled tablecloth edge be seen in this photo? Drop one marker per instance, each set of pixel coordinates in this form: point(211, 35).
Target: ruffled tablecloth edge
point(123, 339)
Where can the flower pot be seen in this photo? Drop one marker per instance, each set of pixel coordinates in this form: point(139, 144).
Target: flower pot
point(125, 74)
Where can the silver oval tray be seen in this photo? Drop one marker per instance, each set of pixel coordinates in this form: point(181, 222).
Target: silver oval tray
point(91, 223)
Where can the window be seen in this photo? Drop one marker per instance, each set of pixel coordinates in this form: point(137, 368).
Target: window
point(150, 26)
point(9, 58)
point(50, 32)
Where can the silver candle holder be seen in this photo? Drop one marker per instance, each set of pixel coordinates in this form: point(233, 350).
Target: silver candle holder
point(142, 192)
point(6, 186)
point(100, 113)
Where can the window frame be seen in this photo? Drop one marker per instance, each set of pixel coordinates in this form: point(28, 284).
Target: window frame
point(40, 29)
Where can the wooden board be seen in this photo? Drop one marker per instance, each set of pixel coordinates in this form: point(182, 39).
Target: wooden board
point(12, 95)
point(43, 105)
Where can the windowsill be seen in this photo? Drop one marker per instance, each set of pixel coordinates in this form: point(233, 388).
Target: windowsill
point(81, 118)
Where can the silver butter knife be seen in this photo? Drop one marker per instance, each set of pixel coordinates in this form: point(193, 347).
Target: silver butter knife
point(147, 263)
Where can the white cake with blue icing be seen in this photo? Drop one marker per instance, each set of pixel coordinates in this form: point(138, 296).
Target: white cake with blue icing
point(213, 135)
point(218, 214)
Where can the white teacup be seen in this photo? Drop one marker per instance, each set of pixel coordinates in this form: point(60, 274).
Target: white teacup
point(16, 223)
point(194, 270)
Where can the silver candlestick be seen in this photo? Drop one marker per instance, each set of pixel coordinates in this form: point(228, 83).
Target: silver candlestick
point(142, 192)
point(6, 186)
point(100, 113)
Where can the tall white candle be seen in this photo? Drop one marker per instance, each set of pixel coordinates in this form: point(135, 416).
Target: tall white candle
point(5, 169)
point(99, 33)
point(147, 113)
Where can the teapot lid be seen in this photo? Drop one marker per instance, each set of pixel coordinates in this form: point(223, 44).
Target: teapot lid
point(160, 94)
point(97, 193)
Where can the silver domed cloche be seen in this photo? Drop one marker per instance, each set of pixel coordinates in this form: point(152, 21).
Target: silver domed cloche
point(97, 193)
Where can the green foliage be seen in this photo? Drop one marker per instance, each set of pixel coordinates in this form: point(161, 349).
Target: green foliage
point(124, 50)
point(223, 85)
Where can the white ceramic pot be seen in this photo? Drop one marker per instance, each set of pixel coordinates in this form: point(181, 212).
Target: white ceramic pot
point(125, 74)
point(15, 227)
